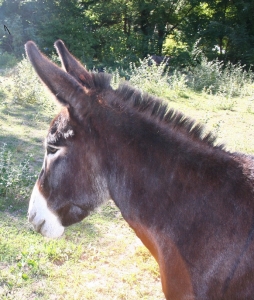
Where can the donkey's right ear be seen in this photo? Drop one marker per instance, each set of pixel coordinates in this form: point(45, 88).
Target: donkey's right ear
point(73, 66)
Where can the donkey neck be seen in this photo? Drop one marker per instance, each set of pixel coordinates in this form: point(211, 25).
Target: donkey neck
point(172, 191)
point(149, 163)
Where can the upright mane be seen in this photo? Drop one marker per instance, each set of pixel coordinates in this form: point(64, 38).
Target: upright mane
point(127, 96)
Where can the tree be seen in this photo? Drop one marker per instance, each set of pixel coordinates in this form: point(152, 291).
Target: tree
point(135, 28)
point(225, 29)
point(116, 32)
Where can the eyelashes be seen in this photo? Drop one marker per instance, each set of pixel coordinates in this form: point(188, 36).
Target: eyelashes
point(51, 150)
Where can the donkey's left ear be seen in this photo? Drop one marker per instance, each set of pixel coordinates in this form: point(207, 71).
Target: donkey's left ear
point(67, 90)
point(72, 66)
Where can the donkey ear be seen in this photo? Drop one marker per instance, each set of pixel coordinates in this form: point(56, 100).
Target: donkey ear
point(65, 88)
point(73, 66)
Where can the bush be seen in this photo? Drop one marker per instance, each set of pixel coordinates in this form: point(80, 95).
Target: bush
point(27, 87)
point(149, 77)
point(156, 80)
point(15, 178)
point(206, 75)
point(214, 77)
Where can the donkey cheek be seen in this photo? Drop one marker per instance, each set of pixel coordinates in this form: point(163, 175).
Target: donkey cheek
point(74, 215)
point(42, 218)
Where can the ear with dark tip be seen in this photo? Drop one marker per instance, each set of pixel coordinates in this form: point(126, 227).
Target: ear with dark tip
point(65, 88)
point(73, 66)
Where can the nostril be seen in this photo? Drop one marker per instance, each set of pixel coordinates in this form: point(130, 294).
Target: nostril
point(31, 217)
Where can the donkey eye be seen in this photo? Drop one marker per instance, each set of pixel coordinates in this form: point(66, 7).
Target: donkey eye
point(51, 150)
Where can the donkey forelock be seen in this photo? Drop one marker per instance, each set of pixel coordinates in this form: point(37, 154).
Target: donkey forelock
point(60, 128)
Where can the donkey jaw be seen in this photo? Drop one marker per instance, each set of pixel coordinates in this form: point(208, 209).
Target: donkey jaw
point(42, 218)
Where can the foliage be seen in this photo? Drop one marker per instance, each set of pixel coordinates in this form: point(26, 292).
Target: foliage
point(7, 60)
point(226, 80)
point(157, 80)
point(16, 178)
point(173, 45)
point(229, 80)
point(148, 77)
point(116, 32)
point(225, 29)
point(27, 88)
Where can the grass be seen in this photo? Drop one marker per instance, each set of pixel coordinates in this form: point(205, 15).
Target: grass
point(99, 258)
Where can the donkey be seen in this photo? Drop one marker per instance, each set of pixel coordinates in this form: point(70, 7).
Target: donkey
point(158, 60)
point(189, 200)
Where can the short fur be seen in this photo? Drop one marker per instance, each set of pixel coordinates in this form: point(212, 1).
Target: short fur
point(188, 200)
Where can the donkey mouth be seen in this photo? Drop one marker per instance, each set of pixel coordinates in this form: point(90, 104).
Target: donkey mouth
point(38, 227)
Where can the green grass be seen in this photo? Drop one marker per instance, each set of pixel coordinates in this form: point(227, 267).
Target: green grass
point(99, 258)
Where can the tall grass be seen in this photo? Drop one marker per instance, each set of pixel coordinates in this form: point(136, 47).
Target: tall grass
point(211, 77)
point(152, 79)
point(26, 86)
point(230, 80)
point(22, 86)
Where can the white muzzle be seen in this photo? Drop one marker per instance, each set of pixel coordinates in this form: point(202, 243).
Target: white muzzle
point(42, 218)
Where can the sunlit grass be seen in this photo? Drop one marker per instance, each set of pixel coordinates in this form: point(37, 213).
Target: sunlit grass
point(100, 258)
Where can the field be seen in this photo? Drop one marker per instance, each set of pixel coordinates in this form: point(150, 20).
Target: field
point(99, 258)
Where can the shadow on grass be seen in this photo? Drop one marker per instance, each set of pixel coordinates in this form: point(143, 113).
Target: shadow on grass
point(28, 114)
point(19, 145)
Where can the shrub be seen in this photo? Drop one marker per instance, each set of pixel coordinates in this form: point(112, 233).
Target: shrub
point(27, 87)
point(156, 80)
point(15, 178)
point(206, 75)
point(214, 77)
point(147, 76)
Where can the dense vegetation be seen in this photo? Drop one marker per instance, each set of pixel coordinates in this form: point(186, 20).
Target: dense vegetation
point(117, 32)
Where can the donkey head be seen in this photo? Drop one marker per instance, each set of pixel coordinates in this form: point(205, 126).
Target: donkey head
point(71, 182)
